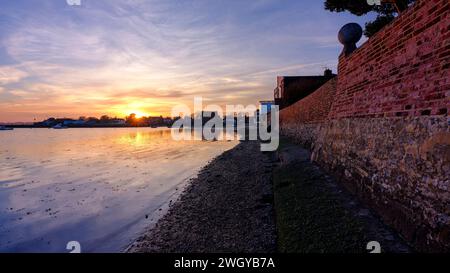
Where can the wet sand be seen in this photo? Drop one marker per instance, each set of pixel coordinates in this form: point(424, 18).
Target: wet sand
point(227, 208)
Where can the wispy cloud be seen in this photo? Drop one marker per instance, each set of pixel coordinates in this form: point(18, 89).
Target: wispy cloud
point(116, 55)
point(10, 74)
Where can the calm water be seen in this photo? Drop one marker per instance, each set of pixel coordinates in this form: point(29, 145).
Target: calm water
point(100, 187)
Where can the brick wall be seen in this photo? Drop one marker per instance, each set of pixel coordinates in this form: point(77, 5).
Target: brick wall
point(315, 107)
point(386, 136)
point(401, 71)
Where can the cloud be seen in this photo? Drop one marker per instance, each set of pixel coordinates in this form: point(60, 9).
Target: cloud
point(107, 55)
point(10, 74)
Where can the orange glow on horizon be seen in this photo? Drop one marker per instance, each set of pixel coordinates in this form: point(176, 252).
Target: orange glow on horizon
point(140, 109)
point(138, 113)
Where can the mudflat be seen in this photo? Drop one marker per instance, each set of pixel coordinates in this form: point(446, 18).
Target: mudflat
point(228, 208)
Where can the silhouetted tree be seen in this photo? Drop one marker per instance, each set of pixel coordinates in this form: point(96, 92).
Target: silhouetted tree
point(131, 119)
point(104, 118)
point(92, 120)
point(386, 11)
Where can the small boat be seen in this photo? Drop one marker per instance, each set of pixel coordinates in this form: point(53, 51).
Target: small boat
point(4, 128)
point(60, 126)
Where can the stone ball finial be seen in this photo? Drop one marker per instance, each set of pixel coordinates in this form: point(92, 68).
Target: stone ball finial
point(349, 35)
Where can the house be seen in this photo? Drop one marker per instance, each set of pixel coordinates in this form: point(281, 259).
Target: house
point(291, 89)
point(71, 122)
point(117, 121)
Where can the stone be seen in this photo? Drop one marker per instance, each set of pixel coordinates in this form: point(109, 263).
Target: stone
point(349, 35)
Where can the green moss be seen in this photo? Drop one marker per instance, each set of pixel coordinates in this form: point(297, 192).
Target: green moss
point(309, 217)
point(284, 142)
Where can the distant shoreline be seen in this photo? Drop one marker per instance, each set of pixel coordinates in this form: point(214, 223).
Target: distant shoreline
point(81, 126)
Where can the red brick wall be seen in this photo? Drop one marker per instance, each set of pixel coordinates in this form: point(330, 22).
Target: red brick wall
point(404, 70)
point(313, 108)
point(386, 135)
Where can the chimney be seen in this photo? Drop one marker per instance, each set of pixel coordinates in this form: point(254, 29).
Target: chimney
point(328, 73)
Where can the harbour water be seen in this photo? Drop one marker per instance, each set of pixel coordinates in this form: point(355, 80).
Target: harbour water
point(100, 187)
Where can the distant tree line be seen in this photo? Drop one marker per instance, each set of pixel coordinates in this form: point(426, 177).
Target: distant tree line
point(107, 121)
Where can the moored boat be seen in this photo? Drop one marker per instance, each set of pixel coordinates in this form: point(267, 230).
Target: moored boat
point(4, 128)
point(60, 126)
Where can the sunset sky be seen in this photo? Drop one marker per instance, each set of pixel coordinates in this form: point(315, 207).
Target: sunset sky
point(116, 57)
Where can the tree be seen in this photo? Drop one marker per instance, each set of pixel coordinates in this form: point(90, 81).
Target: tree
point(104, 118)
point(386, 11)
point(131, 119)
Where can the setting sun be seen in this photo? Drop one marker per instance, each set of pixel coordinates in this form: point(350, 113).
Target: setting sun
point(138, 113)
point(135, 107)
